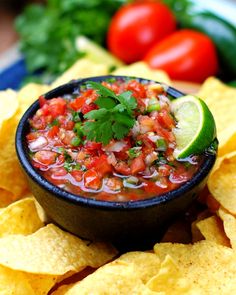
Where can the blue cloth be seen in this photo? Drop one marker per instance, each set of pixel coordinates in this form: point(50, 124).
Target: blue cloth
point(13, 76)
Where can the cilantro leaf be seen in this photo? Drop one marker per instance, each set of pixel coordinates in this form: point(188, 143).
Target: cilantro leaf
point(119, 130)
point(96, 114)
point(105, 102)
point(101, 90)
point(114, 118)
point(127, 101)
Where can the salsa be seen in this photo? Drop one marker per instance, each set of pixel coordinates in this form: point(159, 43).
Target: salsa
point(110, 141)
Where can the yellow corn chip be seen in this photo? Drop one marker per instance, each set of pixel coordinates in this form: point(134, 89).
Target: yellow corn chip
point(229, 226)
point(222, 182)
point(20, 218)
point(221, 100)
point(117, 277)
point(29, 94)
point(8, 105)
point(206, 265)
point(52, 251)
point(83, 68)
point(170, 280)
point(14, 282)
point(212, 229)
point(146, 264)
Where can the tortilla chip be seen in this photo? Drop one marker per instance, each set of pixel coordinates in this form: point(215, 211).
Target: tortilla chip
point(117, 277)
point(227, 141)
point(12, 178)
point(229, 226)
point(97, 53)
point(221, 100)
point(52, 251)
point(14, 283)
point(8, 105)
point(20, 218)
point(169, 280)
point(206, 265)
point(142, 70)
point(29, 94)
point(83, 68)
point(146, 264)
point(222, 182)
point(212, 229)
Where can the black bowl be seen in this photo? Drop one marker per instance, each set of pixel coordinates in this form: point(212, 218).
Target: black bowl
point(124, 223)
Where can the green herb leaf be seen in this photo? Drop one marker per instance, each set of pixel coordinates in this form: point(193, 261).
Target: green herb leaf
point(114, 118)
point(101, 90)
point(105, 102)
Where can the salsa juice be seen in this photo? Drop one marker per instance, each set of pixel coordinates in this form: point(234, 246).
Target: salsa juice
point(112, 141)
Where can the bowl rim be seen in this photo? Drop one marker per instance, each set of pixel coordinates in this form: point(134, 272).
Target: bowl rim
point(21, 150)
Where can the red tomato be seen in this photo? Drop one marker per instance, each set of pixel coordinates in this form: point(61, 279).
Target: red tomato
point(165, 119)
point(92, 180)
point(122, 168)
point(92, 145)
point(185, 55)
point(53, 131)
point(136, 27)
point(137, 165)
point(45, 157)
point(77, 103)
point(57, 106)
point(101, 165)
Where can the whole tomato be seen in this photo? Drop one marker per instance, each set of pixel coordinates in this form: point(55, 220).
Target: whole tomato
point(136, 27)
point(185, 55)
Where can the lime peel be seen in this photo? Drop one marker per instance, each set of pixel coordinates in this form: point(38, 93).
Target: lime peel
point(195, 128)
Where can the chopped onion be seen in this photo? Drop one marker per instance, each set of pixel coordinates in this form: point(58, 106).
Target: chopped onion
point(150, 158)
point(38, 143)
point(111, 159)
point(115, 146)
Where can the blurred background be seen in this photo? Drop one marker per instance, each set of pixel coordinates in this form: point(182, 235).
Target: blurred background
point(39, 39)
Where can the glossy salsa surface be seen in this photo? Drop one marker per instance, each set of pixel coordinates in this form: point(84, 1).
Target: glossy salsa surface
point(138, 165)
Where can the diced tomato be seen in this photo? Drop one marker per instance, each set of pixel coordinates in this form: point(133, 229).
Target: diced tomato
point(32, 136)
point(77, 103)
point(165, 119)
point(137, 165)
point(168, 135)
point(114, 87)
point(92, 180)
point(122, 168)
point(53, 131)
point(57, 107)
point(86, 108)
point(137, 88)
point(101, 165)
point(92, 145)
point(38, 123)
point(146, 124)
point(45, 157)
point(68, 125)
point(77, 175)
point(58, 172)
point(42, 101)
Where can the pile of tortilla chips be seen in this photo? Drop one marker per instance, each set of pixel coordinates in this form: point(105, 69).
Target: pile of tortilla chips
point(38, 258)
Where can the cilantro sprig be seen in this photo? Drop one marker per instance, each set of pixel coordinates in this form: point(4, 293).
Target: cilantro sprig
point(113, 119)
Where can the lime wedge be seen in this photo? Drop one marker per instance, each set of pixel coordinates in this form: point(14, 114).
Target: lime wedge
point(96, 53)
point(195, 128)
